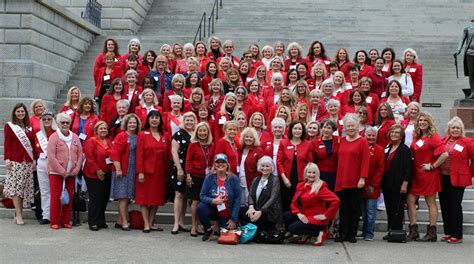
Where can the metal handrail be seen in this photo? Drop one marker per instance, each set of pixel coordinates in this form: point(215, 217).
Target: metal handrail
point(93, 13)
point(214, 15)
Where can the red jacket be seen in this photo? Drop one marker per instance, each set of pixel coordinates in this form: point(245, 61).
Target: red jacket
point(115, 73)
point(148, 153)
point(416, 73)
point(461, 172)
point(345, 68)
point(219, 122)
point(383, 138)
point(372, 102)
point(379, 83)
point(250, 164)
point(97, 157)
point(325, 162)
point(142, 113)
point(13, 149)
point(285, 156)
point(352, 163)
point(365, 71)
point(99, 63)
point(312, 204)
point(289, 62)
point(223, 146)
point(121, 151)
point(135, 100)
point(167, 102)
point(88, 126)
point(35, 124)
point(376, 171)
point(108, 107)
point(37, 147)
point(345, 109)
point(196, 160)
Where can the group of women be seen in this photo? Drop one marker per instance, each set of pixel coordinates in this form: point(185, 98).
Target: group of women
point(281, 141)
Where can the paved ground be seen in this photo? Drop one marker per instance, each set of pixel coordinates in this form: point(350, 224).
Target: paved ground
point(39, 244)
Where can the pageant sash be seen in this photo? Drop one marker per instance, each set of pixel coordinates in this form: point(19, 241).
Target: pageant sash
point(24, 140)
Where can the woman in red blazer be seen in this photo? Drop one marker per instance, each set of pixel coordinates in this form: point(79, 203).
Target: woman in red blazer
point(106, 75)
point(72, 101)
point(312, 206)
point(325, 150)
point(456, 175)
point(352, 172)
point(198, 164)
point(84, 120)
point(249, 154)
point(385, 120)
point(412, 67)
point(148, 102)
point(108, 108)
point(123, 177)
point(153, 162)
point(293, 155)
point(97, 170)
point(228, 146)
point(110, 45)
point(257, 121)
point(342, 59)
point(64, 163)
point(132, 89)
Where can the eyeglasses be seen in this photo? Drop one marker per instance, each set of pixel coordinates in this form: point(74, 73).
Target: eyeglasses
point(248, 56)
point(64, 122)
point(46, 119)
point(240, 93)
point(362, 113)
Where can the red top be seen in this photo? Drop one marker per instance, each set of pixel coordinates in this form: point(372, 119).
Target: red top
point(13, 149)
point(166, 100)
point(205, 84)
point(88, 125)
point(352, 163)
point(376, 171)
point(97, 157)
point(372, 102)
point(150, 151)
point(121, 151)
point(310, 204)
point(286, 153)
point(142, 112)
point(135, 98)
point(426, 150)
point(223, 146)
point(416, 72)
point(379, 83)
point(115, 73)
point(290, 63)
point(197, 160)
point(35, 124)
point(345, 109)
point(325, 162)
point(250, 164)
point(365, 70)
point(461, 161)
point(222, 193)
point(383, 138)
point(37, 147)
point(344, 67)
point(100, 62)
point(108, 107)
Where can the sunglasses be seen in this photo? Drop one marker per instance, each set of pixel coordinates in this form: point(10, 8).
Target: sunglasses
point(46, 119)
point(64, 123)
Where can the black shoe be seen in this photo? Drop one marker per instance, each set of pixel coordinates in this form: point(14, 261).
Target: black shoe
point(44, 222)
point(208, 235)
point(103, 226)
point(183, 229)
point(154, 228)
point(173, 232)
point(351, 239)
point(94, 228)
point(339, 239)
point(126, 228)
point(194, 235)
point(387, 236)
point(118, 226)
point(146, 231)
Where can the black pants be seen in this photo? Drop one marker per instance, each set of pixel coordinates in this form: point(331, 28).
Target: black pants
point(37, 197)
point(395, 207)
point(99, 192)
point(295, 226)
point(349, 212)
point(263, 223)
point(450, 199)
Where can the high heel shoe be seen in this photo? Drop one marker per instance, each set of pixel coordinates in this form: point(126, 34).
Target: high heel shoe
point(323, 235)
point(15, 220)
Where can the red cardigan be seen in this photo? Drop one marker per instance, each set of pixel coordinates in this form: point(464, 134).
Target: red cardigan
point(121, 151)
point(416, 73)
point(141, 112)
point(223, 146)
point(99, 62)
point(376, 171)
point(167, 102)
point(285, 156)
point(115, 73)
point(196, 160)
point(461, 172)
point(383, 138)
point(250, 164)
point(352, 163)
point(312, 204)
point(96, 157)
point(325, 163)
point(13, 150)
point(108, 107)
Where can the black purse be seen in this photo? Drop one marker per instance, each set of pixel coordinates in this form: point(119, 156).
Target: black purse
point(269, 237)
point(79, 202)
point(398, 235)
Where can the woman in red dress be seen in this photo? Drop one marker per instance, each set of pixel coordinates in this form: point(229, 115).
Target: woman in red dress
point(352, 172)
point(385, 120)
point(317, 55)
point(456, 175)
point(325, 150)
point(389, 56)
point(210, 74)
point(429, 153)
point(318, 75)
point(371, 99)
point(293, 155)
point(215, 97)
point(153, 161)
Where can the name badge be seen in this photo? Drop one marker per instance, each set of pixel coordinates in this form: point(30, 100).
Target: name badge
point(106, 77)
point(42, 156)
point(117, 122)
point(290, 147)
point(108, 161)
point(386, 150)
point(221, 207)
point(292, 67)
point(207, 171)
point(412, 70)
point(236, 63)
point(420, 143)
point(327, 62)
point(368, 100)
point(156, 78)
point(238, 169)
point(222, 121)
point(458, 147)
point(82, 136)
point(322, 146)
point(341, 122)
point(69, 112)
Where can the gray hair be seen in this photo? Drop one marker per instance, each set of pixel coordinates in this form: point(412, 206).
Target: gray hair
point(188, 46)
point(278, 121)
point(175, 98)
point(369, 129)
point(276, 75)
point(123, 102)
point(334, 102)
point(265, 160)
point(351, 117)
point(136, 41)
point(62, 116)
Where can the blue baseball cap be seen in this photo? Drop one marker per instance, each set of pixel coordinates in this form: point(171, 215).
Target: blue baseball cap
point(221, 157)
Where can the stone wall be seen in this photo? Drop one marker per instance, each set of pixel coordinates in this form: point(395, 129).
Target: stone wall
point(40, 43)
point(119, 17)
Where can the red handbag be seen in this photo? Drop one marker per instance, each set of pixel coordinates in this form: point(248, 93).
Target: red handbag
point(8, 203)
point(229, 237)
point(136, 219)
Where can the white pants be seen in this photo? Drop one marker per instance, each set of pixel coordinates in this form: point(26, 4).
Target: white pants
point(43, 182)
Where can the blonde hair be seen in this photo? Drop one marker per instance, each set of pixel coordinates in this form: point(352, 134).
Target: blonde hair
point(97, 125)
point(68, 99)
point(218, 81)
point(432, 129)
point(253, 116)
point(194, 137)
point(195, 91)
point(252, 132)
point(455, 121)
point(230, 123)
point(36, 102)
point(316, 66)
point(413, 52)
point(223, 110)
point(316, 186)
point(187, 115)
point(297, 111)
point(148, 91)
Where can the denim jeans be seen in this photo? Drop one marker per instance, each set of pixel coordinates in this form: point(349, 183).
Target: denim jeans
point(206, 213)
point(369, 213)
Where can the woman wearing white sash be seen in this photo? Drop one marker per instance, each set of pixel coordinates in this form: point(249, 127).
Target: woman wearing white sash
point(19, 161)
point(48, 127)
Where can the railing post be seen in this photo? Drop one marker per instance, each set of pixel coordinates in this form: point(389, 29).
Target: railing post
point(217, 9)
point(204, 18)
point(221, 3)
point(213, 23)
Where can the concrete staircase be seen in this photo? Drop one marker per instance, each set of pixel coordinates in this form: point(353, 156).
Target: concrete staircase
point(432, 28)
